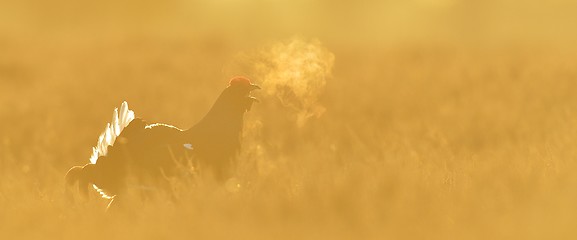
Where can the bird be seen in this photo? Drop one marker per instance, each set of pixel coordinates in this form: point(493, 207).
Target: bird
point(131, 152)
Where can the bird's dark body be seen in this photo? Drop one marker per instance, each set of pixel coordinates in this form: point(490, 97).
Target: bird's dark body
point(147, 154)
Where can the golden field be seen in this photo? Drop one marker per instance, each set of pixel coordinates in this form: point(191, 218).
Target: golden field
point(416, 119)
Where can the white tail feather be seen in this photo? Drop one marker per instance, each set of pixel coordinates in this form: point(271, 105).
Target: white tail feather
point(115, 126)
point(120, 119)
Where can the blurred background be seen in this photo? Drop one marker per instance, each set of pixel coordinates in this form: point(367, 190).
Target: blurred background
point(379, 119)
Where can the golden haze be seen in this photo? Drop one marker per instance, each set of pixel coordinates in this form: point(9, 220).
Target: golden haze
point(420, 119)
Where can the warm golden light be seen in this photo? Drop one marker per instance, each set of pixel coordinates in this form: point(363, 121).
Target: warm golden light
point(418, 119)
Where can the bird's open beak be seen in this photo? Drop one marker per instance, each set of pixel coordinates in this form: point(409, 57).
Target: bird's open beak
point(253, 87)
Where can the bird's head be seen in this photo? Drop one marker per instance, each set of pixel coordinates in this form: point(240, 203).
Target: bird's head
point(239, 89)
point(80, 175)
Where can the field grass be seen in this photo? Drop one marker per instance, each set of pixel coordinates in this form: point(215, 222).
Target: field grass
point(356, 137)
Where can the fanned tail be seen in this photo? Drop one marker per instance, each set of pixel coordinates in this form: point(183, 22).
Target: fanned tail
point(120, 119)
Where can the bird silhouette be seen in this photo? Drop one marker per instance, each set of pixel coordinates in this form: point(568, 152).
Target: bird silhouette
point(131, 152)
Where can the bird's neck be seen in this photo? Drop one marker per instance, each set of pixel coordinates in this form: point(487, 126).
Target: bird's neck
point(223, 119)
